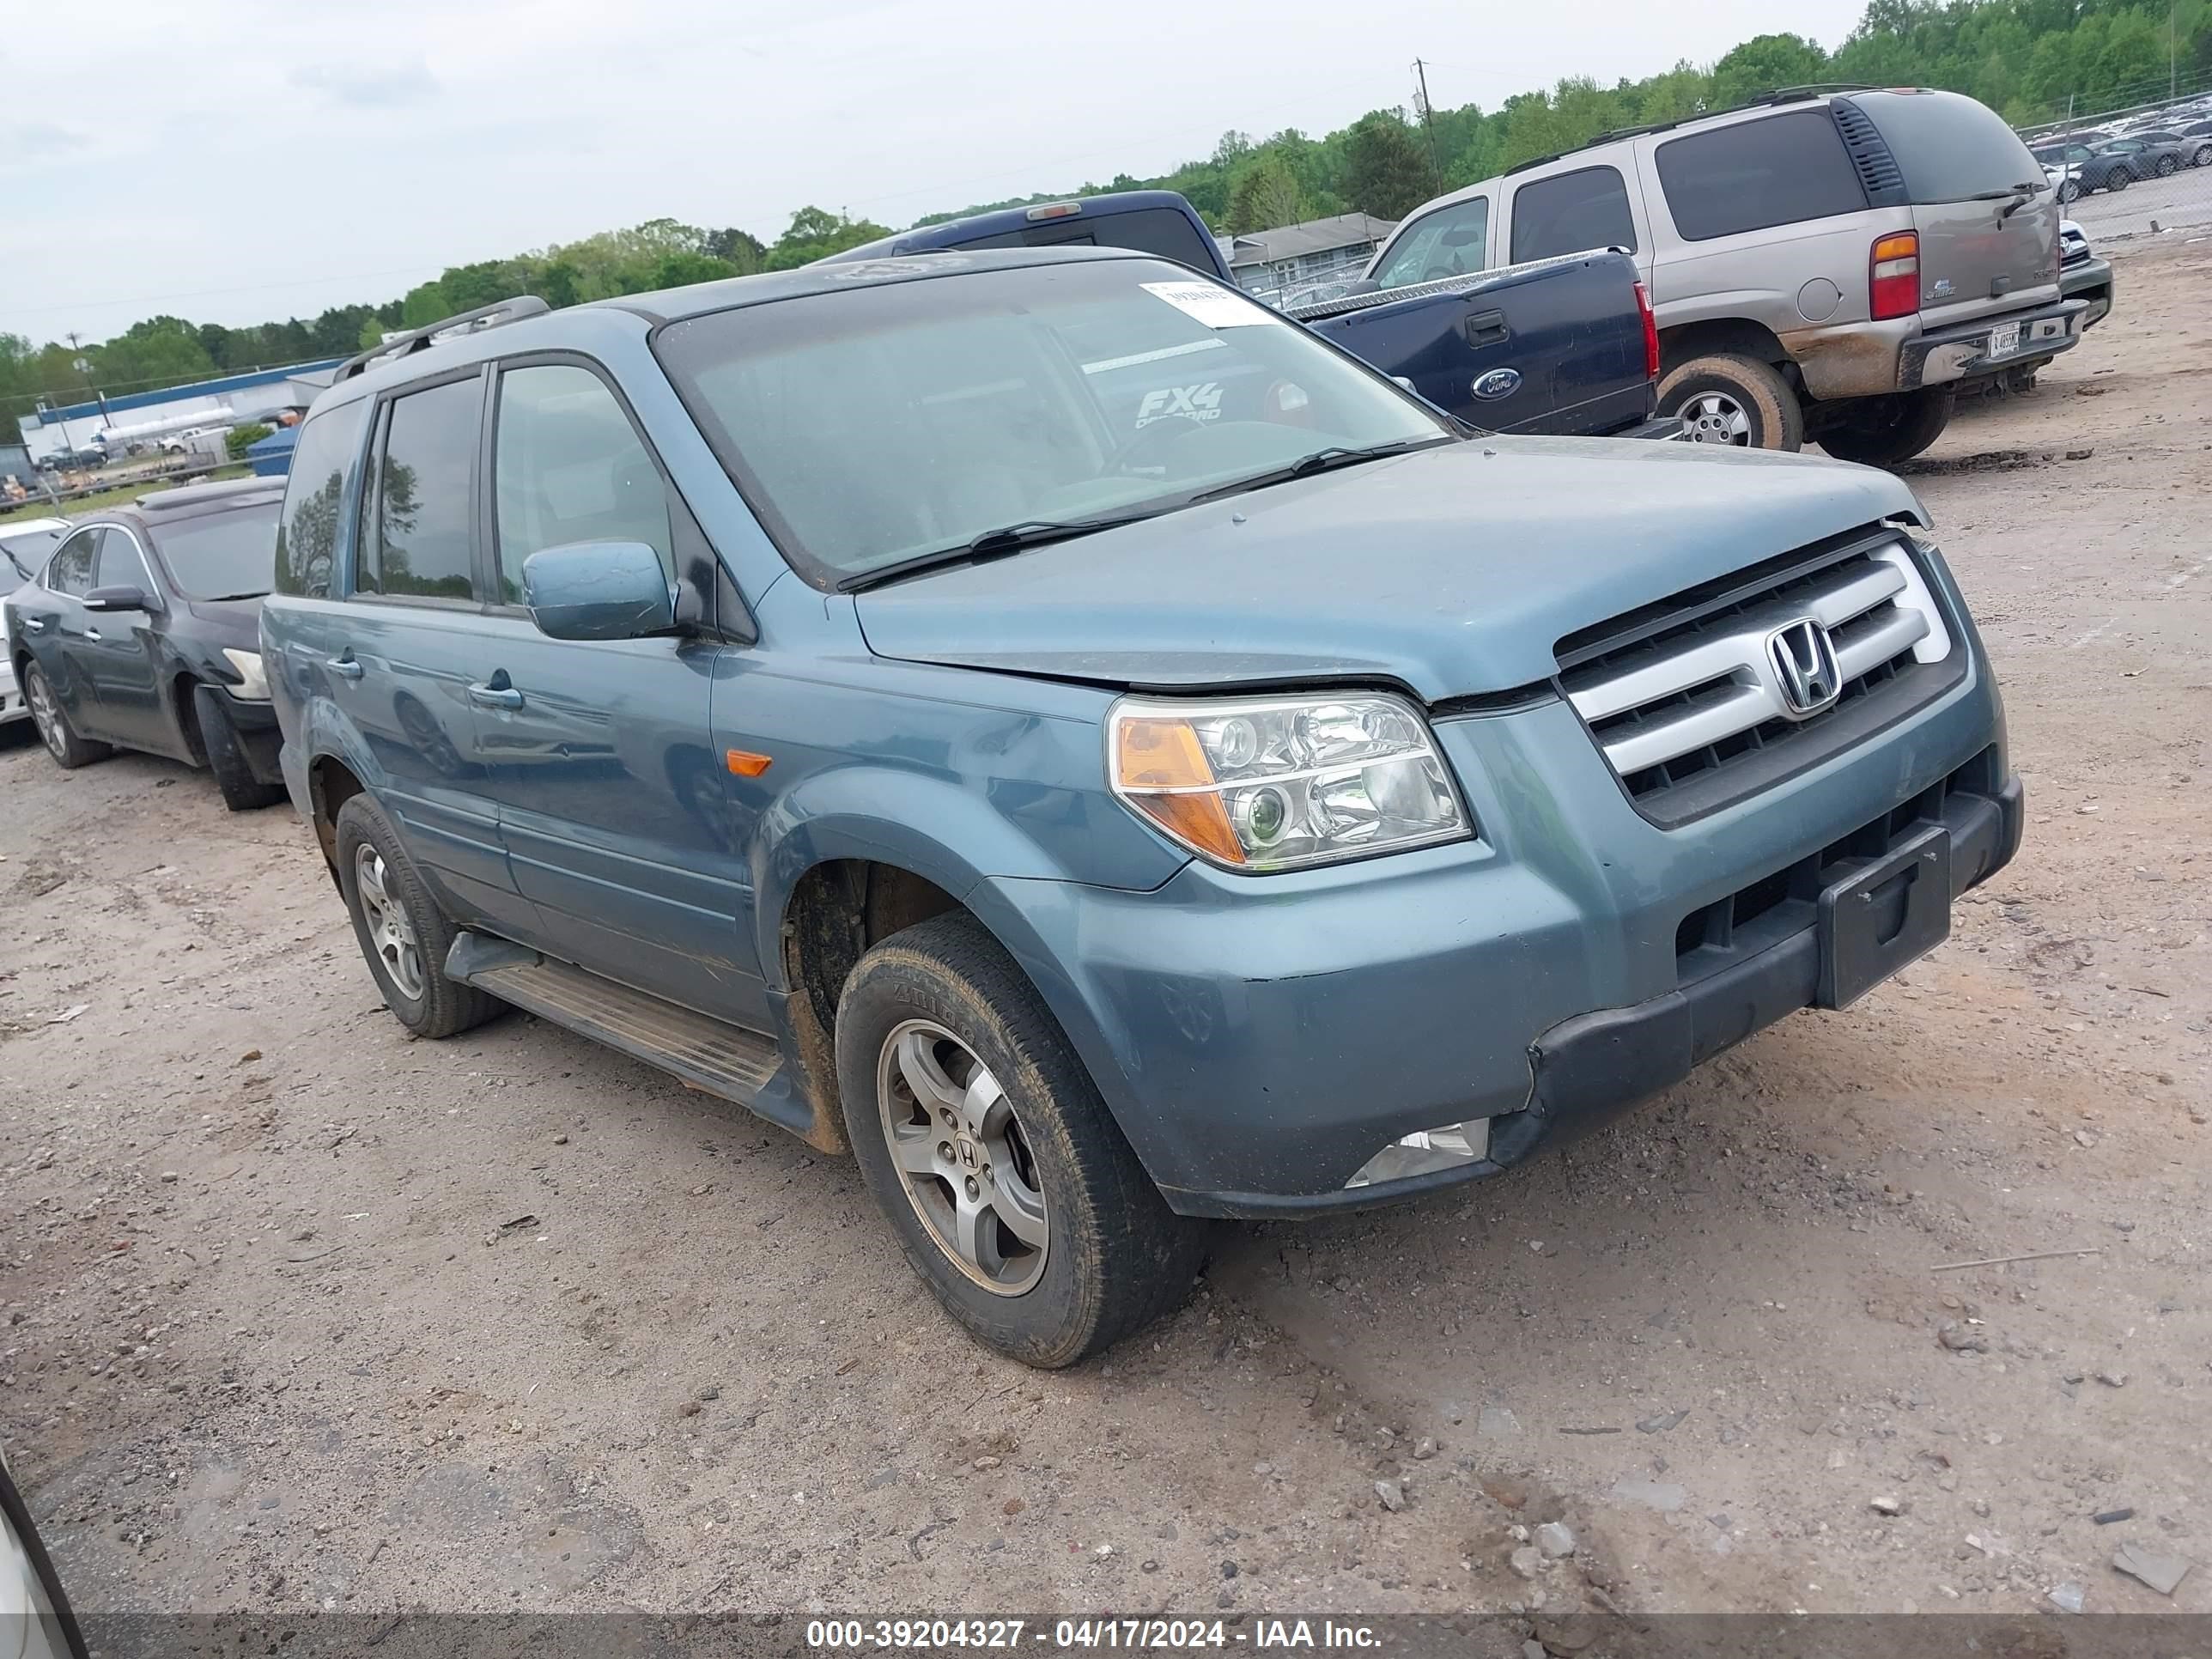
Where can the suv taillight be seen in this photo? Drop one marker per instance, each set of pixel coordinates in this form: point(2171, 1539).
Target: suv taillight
point(1650, 332)
point(1893, 276)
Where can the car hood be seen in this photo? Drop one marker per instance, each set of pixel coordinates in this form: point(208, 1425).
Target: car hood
point(1450, 571)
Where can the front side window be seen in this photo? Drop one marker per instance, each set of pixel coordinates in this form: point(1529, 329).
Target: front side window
point(1573, 213)
point(568, 466)
point(422, 544)
point(221, 555)
point(1780, 170)
point(307, 533)
point(1453, 242)
point(892, 420)
point(72, 570)
point(121, 564)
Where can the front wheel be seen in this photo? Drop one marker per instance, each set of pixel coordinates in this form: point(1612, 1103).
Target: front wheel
point(1883, 431)
point(2166, 166)
point(226, 752)
point(2118, 180)
point(2203, 157)
point(2070, 190)
point(1729, 399)
point(988, 1150)
point(69, 750)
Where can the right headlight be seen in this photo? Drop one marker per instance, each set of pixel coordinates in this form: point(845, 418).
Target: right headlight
point(1273, 783)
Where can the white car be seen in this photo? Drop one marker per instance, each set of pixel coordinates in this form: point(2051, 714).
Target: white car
point(35, 1620)
point(25, 544)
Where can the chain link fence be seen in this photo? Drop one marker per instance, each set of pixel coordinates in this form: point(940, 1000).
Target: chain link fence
point(2137, 169)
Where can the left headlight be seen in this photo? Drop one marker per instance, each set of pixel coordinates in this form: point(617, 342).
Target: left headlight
point(253, 684)
point(1274, 783)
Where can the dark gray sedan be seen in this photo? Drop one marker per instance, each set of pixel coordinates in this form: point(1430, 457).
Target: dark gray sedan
point(141, 631)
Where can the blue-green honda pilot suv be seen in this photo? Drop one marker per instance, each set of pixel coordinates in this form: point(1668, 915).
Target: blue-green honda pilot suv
point(913, 699)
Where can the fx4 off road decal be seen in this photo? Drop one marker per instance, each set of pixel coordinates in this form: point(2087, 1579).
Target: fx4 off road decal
point(1201, 402)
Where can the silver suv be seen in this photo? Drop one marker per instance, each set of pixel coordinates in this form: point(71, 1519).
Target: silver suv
point(1823, 265)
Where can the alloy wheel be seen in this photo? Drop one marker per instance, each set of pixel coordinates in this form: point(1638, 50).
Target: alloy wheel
point(1714, 417)
point(962, 1157)
point(392, 936)
point(44, 715)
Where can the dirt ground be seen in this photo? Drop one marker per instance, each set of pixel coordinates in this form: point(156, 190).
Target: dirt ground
point(299, 1313)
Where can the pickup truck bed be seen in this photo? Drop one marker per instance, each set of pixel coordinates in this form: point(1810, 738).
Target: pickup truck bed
point(1551, 346)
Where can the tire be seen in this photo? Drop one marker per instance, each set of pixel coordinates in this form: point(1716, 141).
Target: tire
point(2203, 157)
point(1883, 431)
point(2166, 168)
point(226, 754)
point(2070, 190)
point(1724, 397)
point(2118, 180)
point(69, 750)
point(943, 1000)
point(419, 994)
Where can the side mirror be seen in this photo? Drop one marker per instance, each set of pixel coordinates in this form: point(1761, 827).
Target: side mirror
point(1362, 285)
point(117, 598)
point(598, 590)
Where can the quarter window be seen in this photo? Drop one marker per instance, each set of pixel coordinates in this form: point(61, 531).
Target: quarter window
point(1573, 213)
point(423, 545)
point(568, 466)
point(1781, 170)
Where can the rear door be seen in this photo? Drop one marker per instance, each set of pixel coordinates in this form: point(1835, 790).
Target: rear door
point(406, 648)
point(1987, 217)
point(120, 652)
point(54, 621)
point(611, 796)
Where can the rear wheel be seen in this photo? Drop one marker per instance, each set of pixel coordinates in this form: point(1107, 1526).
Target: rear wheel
point(2202, 158)
point(2070, 190)
point(69, 750)
point(984, 1143)
point(1883, 431)
point(241, 791)
point(2118, 180)
point(1725, 397)
point(403, 932)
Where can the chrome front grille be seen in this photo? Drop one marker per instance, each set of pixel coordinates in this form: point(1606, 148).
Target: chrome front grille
point(1694, 690)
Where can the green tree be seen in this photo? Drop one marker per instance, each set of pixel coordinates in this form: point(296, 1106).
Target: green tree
point(236, 440)
point(815, 233)
point(1387, 172)
point(1263, 195)
point(1766, 62)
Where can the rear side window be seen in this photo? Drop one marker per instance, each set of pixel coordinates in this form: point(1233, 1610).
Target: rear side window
point(1453, 242)
point(568, 466)
point(1950, 148)
point(1780, 171)
point(307, 534)
point(422, 544)
point(1573, 213)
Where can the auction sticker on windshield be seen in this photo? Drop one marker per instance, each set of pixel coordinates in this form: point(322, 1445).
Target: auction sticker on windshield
point(1211, 304)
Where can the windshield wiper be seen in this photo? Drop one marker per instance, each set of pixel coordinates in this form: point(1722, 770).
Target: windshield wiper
point(991, 544)
point(17, 562)
point(1322, 460)
point(219, 598)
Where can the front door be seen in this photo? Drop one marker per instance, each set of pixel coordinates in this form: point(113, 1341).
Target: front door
point(611, 799)
point(120, 652)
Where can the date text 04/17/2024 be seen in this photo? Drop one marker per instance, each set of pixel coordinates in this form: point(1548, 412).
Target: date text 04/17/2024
point(1143, 1634)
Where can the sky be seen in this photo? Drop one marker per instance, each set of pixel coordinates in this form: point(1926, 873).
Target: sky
point(231, 162)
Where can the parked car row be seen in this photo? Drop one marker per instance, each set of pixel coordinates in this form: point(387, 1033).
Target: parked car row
point(2075, 169)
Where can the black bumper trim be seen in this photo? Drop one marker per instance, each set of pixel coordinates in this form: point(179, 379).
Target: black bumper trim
point(1954, 350)
point(1590, 1068)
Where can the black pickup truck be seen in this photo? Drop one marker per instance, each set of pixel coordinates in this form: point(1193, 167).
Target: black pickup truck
point(1559, 346)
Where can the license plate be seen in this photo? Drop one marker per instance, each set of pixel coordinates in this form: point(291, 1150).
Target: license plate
point(1890, 914)
point(2004, 340)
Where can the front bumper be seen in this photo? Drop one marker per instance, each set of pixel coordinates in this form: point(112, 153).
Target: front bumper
point(2091, 280)
point(12, 706)
point(1260, 1039)
point(255, 722)
point(1962, 352)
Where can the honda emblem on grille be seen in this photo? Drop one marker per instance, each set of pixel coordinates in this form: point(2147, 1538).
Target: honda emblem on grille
point(1803, 658)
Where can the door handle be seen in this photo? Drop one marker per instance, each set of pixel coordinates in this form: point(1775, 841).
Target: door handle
point(36, 624)
point(1485, 326)
point(344, 667)
point(92, 633)
point(495, 697)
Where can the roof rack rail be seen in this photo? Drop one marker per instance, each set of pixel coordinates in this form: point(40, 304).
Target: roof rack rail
point(419, 339)
point(1765, 100)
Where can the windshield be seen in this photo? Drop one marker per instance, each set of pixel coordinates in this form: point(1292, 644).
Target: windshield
point(899, 419)
point(221, 555)
point(1950, 148)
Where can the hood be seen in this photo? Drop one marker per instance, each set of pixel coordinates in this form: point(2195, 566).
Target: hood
point(234, 622)
point(1450, 571)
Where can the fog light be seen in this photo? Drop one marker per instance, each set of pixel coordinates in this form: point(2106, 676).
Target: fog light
point(1424, 1151)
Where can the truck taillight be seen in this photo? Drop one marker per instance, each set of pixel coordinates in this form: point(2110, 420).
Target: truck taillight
point(1893, 276)
point(1650, 332)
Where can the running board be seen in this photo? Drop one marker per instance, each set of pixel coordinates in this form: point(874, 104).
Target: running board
point(708, 1053)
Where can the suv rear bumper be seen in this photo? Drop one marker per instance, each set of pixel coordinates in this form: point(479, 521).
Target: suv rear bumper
point(1962, 352)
